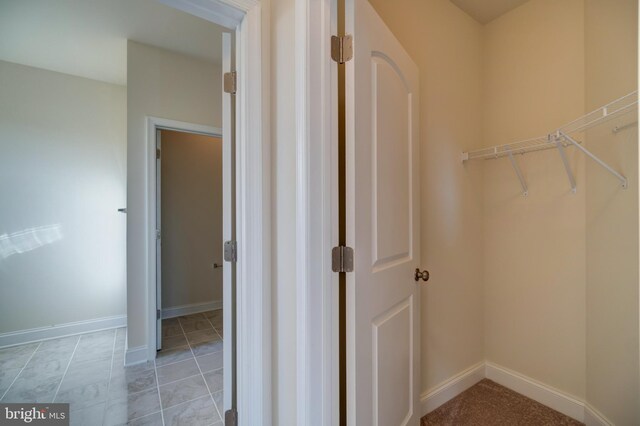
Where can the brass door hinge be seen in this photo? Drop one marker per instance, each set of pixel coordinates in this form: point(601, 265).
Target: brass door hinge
point(342, 259)
point(230, 82)
point(342, 48)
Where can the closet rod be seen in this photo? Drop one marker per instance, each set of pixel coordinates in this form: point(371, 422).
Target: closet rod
point(560, 139)
point(587, 121)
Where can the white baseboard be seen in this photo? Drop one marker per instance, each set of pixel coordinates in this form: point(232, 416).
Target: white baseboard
point(194, 308)
point(553, 398)
point(61, 330)
point(137, 355)
point(450, 388)
point(593, 417)
point(544, 394)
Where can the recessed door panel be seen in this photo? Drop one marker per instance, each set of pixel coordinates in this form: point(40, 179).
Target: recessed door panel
point(391, 177)
point(393, 365)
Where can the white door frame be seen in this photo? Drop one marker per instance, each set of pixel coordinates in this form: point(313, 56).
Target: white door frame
point(253, 202)
point(316, 97)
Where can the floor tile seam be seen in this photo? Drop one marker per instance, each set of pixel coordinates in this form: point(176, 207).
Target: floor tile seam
point(113, 356)
point(67, 369)
point(146, 415)
point(184, 402)
point(20, 372)
point(201, 374)
point(178, 380)
point(215, 329)
point(175, 362)
point(201, 330)
point(155, 369)
point(190, 401)
point(205, 380)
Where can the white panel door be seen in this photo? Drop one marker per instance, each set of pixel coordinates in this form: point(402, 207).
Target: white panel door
point(383, 225)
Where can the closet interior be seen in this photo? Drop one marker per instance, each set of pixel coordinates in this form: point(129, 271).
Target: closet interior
point(530, 220)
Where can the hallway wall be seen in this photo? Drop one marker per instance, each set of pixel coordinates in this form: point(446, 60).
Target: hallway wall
point(62, 179)
point(168, 85)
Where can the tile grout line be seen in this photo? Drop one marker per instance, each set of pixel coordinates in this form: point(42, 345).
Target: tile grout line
point(113, 355)
point(155, 370)
point(198, 365)
point(173, 381)
point(20, 372)
point(173, 406)
point(214, 329)
point(67, 369)
point(221, 338)
point(183, 360)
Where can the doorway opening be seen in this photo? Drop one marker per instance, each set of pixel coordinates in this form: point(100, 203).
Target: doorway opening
point(189, 280)
point(189, 218)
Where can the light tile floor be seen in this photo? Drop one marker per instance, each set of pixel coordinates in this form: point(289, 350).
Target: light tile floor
point(182, 387)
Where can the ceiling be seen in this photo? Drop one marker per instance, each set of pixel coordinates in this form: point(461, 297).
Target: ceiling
point(485, 11)
point(88, 38)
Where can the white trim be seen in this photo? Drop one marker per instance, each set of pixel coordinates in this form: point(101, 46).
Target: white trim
point(544, 394)
point(136, 355)
point(193, 308)
point(253, 199)
point(450, 388)
point(61, 330)
point(225, 14)
point(316, 214)
point(253, 221)
point(593, 417)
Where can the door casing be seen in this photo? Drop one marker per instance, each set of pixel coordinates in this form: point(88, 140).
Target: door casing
point(253, 205)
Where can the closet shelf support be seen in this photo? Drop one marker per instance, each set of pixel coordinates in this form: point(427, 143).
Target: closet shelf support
point(623, 180)
point(565, 161)
point(516, 167)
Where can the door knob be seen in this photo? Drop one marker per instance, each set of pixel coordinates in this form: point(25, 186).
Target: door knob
point(424, 275)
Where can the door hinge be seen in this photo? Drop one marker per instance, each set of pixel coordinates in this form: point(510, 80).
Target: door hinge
point(342, 48)
point(158, 234)
point(231, 417)
point(230, 82)
point(342, 259)
point(157, 153)
point(158, 313)
point(230, 251)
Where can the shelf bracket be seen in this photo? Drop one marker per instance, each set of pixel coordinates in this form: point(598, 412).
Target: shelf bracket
point(623, 180)
point(565, 161)
point(516, 167)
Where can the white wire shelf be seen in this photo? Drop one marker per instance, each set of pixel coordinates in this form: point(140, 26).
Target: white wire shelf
point(561, 139)
point(605, 113)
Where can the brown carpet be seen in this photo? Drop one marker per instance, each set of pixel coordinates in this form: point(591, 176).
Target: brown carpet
point(487, 404)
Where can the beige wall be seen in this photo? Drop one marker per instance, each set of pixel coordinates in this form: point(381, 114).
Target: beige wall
point(446, 45)
point(191, 219)
point(612, 217)
point(534, 246)
point(62, 179)
point(167, 85)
